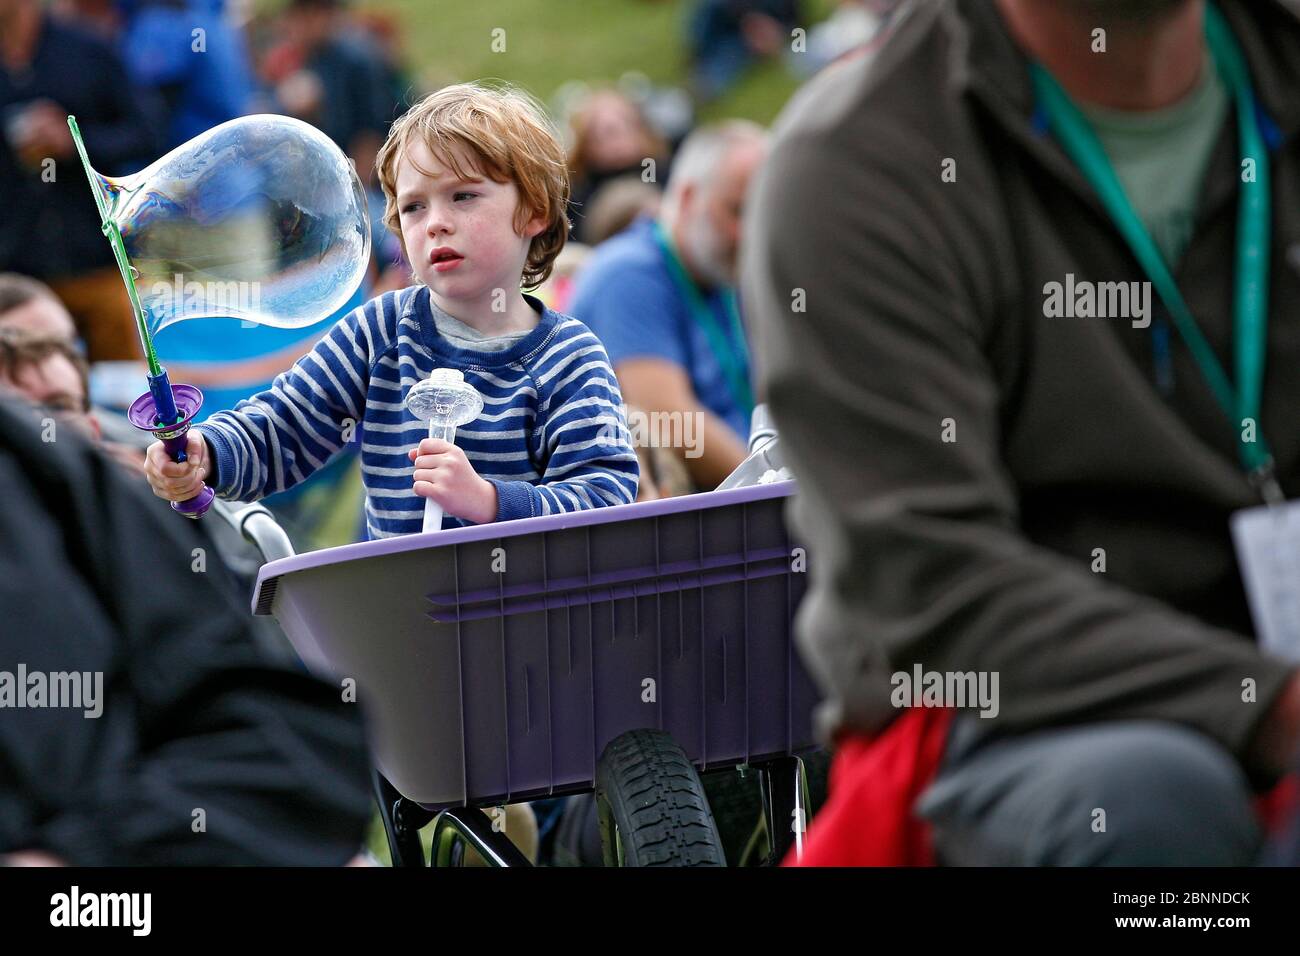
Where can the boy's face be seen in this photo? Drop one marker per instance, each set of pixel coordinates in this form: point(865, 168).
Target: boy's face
point(460, 234)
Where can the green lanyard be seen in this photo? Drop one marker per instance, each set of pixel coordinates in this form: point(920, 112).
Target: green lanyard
point(733, 358)
point(1250, 294)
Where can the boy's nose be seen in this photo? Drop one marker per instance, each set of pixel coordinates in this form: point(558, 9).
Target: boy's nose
point(440, 224)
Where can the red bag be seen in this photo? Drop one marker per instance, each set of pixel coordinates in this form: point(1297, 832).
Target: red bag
point(874, 782)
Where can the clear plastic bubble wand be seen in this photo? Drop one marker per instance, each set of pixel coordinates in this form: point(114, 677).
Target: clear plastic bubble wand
point(166, 410)
point(446, 401)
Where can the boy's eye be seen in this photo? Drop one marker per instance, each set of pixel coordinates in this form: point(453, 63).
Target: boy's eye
point(410, 207)
point(456, 197)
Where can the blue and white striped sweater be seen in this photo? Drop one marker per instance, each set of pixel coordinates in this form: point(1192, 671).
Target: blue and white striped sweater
point(553, 436)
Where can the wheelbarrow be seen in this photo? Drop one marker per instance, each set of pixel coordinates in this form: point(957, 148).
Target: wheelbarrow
point(622, 650)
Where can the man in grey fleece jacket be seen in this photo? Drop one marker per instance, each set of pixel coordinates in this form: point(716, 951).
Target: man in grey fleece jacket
point(965, 457)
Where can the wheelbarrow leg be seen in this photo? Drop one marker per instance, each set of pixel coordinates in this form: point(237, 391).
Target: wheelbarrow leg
point(402, 822)
point(784, 789)
point(473, 826)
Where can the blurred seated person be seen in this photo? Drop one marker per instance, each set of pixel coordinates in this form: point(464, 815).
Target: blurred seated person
point(48, 372)
point(1035, 495)
point(38, 363)
point(557, 291)
point(610, 138)
point(332, 71)
point(660, 297)
point(385, 32)
point(39, 360)
point(185, 745)
point(726, 36)
point(31, 306)
point(201, 80)
point(50, 228)
point(617, 204)
point(662, 473)
point(157, 41)
point(342, 84)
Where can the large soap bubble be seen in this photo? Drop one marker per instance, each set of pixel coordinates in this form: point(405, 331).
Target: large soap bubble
point(262, 219)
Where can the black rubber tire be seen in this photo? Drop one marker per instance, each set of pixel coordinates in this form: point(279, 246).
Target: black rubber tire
point(650, 800)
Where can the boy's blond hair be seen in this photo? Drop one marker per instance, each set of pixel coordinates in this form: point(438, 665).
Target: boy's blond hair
point(507, 137)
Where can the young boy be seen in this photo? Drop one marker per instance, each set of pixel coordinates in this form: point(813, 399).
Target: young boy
point(476, 186)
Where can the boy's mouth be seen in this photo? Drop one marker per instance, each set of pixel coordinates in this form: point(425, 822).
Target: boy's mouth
point(444, 258)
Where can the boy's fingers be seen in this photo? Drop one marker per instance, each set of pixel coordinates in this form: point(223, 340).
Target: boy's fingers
point(434, 446)
point(448, 453)
point(172, 480)
point(165, 491)
point(195, 455)
point(186, 489)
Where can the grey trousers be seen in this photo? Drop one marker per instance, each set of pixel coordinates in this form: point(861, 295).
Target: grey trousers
point(1112, 794)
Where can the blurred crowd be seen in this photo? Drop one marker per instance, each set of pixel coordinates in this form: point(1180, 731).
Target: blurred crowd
point(658, 205)
point(145, 76)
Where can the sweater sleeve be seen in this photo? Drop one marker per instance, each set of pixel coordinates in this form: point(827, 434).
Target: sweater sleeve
point(281, 436)
point(919, 554)
point(584, 439)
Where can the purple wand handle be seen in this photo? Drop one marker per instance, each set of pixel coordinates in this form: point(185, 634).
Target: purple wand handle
point(176, 446)
point(175, 404)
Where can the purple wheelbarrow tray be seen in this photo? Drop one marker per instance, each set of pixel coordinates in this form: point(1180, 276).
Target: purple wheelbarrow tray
point(495, 662)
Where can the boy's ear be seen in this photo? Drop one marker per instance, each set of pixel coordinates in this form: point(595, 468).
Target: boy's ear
point(536, 223)
point(535, 227)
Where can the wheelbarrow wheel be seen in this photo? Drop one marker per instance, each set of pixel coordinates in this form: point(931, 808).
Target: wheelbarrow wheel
point(651, 805)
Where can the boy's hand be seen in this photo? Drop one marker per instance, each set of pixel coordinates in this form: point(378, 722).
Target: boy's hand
point(178, 481)
point(443, 473)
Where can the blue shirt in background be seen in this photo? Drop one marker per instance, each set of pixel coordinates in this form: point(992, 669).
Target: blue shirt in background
point(625, 293)
point(190, 52)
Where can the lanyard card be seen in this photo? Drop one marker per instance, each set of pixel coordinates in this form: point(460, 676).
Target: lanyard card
point(1268, 552)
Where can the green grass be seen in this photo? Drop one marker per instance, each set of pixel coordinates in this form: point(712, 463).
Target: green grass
point(551, 42)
